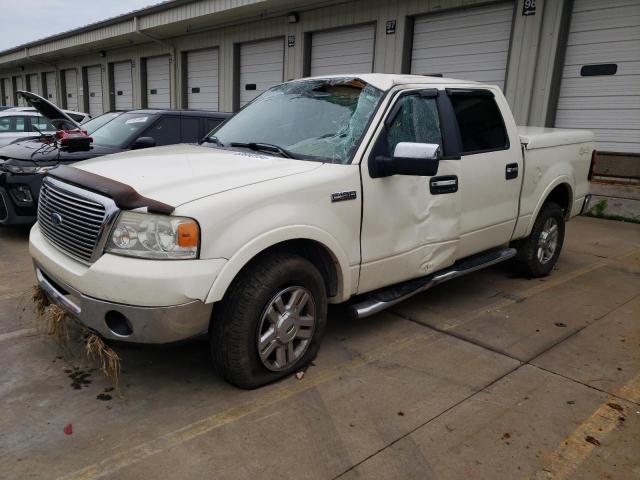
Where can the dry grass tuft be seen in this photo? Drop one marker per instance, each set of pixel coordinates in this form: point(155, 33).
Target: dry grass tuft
point(57, 323)
point(96, 349)
point(41, 300)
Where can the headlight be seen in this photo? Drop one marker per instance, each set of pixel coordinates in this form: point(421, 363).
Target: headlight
point(145, 235)
point(8, 167)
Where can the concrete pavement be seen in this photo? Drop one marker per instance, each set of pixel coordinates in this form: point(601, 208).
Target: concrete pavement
point(489, 376)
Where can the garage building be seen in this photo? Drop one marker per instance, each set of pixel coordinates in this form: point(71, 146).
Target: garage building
point(564, 63)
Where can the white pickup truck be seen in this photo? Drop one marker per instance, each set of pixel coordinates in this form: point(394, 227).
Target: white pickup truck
point(364, 189)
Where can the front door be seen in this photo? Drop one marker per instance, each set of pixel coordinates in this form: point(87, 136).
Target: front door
point(410, 225)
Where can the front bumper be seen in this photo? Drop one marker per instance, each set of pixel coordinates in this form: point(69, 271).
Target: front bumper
point(14, 210)
point(129, 323)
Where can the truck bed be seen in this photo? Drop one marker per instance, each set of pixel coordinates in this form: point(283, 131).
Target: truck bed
point(541, 137)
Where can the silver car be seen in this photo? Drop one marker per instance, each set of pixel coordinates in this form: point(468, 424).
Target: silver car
point(23, 122)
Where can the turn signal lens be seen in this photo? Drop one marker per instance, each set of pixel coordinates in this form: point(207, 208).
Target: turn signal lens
point(188, 235)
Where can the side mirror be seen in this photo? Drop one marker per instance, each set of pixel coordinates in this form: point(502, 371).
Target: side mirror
point(143, 142)
point(419, 159)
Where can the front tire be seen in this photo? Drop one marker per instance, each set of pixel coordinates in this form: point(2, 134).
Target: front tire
point(539, 252)
point(270, 322)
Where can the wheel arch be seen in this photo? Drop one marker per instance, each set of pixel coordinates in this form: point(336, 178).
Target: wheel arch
point(317, 246)
point(561, 192)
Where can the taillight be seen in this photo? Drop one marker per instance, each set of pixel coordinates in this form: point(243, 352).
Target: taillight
point(592, 167)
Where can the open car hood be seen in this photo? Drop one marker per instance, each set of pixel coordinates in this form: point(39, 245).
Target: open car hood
point(48, 110)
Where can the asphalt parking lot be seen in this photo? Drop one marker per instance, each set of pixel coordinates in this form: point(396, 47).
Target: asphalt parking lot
point(489, 376)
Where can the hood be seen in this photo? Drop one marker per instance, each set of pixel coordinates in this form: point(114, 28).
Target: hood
point(57, 117)
point(33, 150)
point(178, 174)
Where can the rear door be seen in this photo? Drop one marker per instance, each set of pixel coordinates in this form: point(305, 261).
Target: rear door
point(491, 169)
point(410, 224)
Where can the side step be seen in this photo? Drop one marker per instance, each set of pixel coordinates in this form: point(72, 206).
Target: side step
point(378, 300)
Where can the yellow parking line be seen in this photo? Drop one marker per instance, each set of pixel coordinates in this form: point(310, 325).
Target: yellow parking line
point(131, 455)
point(576, 448)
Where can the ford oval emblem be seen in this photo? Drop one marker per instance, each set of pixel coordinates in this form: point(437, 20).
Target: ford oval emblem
point(56, 219)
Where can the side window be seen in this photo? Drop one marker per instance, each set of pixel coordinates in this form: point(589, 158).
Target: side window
point(165, 131)
point(190, 129)
point(480, 122)
point(21, 124)
point(41, 124)
point(12, 124)
point(417, 121)
point(5, 125)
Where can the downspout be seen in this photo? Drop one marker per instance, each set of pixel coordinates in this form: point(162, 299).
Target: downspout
point(173, 57)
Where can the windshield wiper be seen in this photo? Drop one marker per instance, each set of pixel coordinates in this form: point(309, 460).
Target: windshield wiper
point(265, 147)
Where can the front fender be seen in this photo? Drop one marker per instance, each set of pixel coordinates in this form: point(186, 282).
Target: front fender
point(268, 239)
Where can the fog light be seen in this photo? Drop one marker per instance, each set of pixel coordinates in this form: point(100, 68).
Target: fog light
point(22, 194)
point(118, 323)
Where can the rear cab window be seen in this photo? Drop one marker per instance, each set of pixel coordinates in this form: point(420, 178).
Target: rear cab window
point(480, 121)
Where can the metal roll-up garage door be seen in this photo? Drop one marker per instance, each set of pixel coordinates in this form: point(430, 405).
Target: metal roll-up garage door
point(94, 85)
point(469, 44)
point(33, 83)
point(50, 84)
point(17, 82)
point(347, 50)
point(6, 92)
point(71, 89)
point(123, 85)
point(202, 79)
point(261, 67)
point(158, 82)
point(600, 86)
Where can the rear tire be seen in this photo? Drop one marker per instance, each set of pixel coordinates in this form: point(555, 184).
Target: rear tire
point(270, 322)
point(539, 252)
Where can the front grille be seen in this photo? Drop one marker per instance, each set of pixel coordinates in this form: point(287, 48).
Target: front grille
point(71, 221)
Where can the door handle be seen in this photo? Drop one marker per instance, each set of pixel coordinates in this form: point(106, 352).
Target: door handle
point(511, 171)
point(443, 184)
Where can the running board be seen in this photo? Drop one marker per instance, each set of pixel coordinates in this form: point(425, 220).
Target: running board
point(379, 300)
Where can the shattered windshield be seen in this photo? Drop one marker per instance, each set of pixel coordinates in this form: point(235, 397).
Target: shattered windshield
point(310, 119)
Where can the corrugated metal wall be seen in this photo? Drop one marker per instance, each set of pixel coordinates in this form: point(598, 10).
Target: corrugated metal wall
point(532, 49)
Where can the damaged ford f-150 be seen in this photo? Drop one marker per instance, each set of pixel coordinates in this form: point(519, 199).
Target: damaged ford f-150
point(364, 189)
